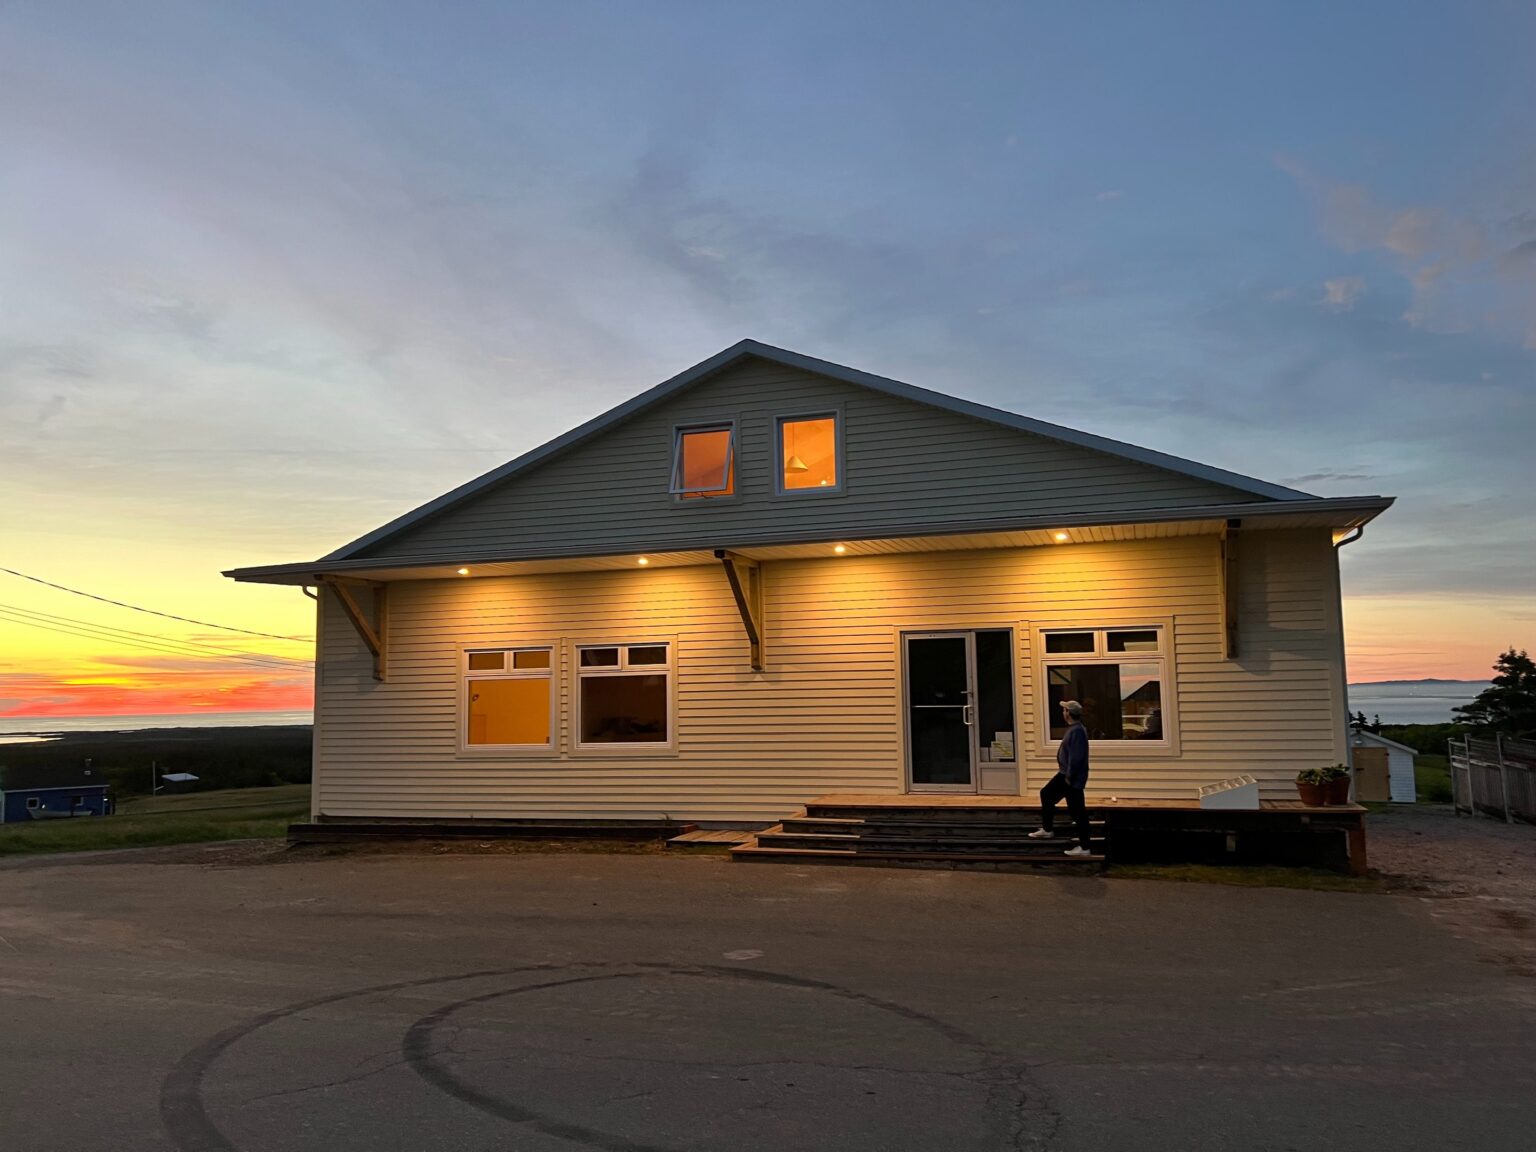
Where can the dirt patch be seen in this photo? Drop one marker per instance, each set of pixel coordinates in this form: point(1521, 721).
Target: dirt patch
point(1477, 874)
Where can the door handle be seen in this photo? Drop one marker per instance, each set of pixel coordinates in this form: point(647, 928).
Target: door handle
point(965, 714)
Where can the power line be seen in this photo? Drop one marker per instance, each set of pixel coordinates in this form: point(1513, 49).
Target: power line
point(91, 633)
point(110, 632)
point(151, 611)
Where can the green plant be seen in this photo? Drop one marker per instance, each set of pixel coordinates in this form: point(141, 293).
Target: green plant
point(1310, 776)
point(1332, 772)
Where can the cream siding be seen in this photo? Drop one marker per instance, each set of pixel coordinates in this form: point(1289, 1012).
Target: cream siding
point(825, 715)
point(906, 463)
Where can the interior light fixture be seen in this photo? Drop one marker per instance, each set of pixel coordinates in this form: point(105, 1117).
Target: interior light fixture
point(795, 464)
point(1061, 537)
point(463, 571)
point(840, 549)
point(642, 561)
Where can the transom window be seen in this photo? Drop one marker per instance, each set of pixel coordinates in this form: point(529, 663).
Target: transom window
point(1119, 675)
point(624, 694)
point(808, 453)
point(704, 462)
point(508, 697)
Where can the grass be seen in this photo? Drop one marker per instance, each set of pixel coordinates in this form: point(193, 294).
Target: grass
point(1432, 775)
point(1249, 876)
point(193, 818)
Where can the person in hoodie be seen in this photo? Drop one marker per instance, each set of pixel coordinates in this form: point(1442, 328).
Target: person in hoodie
point(1070, 780)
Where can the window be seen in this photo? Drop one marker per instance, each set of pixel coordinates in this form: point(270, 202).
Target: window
point(704, 462)
point(624, 695)
point(34, 802)
point(508, 698)
point(808, 453)
point(1119, 675)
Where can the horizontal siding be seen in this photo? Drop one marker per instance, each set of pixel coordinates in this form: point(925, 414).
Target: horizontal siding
point(907, 463)
point(824, 716)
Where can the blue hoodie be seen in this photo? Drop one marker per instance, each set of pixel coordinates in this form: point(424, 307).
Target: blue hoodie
point(1072, 755)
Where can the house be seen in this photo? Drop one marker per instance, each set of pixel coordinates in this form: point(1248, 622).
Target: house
point(43, 793)
point(773, 577)
point(1383, 768)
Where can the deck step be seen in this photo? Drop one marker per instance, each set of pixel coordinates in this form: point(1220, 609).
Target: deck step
point(1024, 863)
point(1021, 846)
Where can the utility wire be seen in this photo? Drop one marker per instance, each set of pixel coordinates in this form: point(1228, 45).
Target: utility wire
point(114, 633)
point(151, 611)
point(173, 647)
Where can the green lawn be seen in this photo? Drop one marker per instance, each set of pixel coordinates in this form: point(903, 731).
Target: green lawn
point(196, 817)
point(1432, 774)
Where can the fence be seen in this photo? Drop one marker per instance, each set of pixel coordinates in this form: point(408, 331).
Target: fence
point(1495, 776)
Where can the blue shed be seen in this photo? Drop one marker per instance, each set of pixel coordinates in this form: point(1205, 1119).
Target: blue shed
point(50, 794)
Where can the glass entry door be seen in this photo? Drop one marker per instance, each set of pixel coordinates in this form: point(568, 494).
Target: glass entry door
point(958, 707)
point(941, 694)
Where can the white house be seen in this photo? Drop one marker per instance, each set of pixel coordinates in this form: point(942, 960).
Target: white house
point(772, 577)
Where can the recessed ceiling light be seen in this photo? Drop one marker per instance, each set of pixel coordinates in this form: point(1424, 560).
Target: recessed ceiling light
point(840, 549)
point(1062, 537)
point(642, 561)
point(463, 571)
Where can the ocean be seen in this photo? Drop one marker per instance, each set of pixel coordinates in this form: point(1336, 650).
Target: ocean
point(25, 729)
point(1413, 701)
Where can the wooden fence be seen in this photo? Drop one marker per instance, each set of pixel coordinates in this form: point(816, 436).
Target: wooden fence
point(1497, 777)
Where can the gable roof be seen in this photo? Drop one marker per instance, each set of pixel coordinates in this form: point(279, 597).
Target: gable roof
point(752, 348)
point(1359, 735)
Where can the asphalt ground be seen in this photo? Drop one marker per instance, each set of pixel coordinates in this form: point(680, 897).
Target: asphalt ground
point(629, 1003)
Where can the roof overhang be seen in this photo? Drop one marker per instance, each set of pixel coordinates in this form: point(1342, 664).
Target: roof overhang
point(1340, 515)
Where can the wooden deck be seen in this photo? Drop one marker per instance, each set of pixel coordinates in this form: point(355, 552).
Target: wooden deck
point(971, 800)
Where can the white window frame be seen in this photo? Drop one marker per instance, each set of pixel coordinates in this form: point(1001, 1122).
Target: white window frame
point(840, 460)
point(34, 803)
point(507, 672)
point(624, 668)
point(690, 496)
point(1100, 627)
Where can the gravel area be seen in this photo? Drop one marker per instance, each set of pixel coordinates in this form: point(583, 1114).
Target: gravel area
point(1477, 873)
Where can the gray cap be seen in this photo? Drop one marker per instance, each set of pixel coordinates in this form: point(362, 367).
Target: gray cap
point(1072, 707)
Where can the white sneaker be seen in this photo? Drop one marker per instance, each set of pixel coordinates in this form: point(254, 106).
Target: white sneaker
point(1041, 834)
point(1078, 851)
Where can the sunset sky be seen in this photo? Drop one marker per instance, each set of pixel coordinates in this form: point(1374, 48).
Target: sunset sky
point(271, 274)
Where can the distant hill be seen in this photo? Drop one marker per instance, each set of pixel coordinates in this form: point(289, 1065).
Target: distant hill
point(1425, 683)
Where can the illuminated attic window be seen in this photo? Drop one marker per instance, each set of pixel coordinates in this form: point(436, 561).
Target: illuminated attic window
point(808, 453)
point(704, 462)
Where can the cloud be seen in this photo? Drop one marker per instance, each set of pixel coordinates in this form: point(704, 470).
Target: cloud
point(1329, 474)
point(1112, 194)
point(1464, 271)
point(1343, 292)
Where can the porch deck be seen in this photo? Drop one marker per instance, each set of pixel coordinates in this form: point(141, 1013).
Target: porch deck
point(958, 828)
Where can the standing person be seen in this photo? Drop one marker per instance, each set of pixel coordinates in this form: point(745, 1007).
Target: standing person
point(1070, 780)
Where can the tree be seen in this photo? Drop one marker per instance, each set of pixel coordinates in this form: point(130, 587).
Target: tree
point(1508, 705)
point(1358, 722)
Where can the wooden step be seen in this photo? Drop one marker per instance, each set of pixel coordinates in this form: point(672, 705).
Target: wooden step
point(1017, 845)
point(1026, 863)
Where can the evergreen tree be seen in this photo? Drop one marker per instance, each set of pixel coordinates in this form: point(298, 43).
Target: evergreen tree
point(1508, 705)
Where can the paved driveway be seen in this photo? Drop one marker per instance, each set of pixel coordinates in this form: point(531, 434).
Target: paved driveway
point(632, 1002)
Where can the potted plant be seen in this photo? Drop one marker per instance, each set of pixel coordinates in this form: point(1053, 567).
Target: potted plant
point(1309, 782)
point(1336, 783)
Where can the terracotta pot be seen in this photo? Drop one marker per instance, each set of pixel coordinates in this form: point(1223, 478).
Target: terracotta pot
point(1338, 790)
point(1313, 795)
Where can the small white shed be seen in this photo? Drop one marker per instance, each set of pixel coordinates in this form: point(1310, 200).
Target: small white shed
point(1399, 763)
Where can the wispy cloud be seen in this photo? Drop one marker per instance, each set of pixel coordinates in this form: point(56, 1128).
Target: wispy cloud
point(1342, 292)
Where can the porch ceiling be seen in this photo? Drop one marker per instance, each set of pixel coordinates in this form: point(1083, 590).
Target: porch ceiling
point(1340, 516)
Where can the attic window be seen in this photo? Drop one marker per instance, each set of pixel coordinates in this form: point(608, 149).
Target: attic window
point(704, 462)
point(808, 452)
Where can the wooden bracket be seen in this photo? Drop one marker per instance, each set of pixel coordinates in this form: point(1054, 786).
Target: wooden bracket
point(374, 633)
point(749, 598)
point(1228, 580)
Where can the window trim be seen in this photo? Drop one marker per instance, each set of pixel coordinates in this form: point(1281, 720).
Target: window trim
point(467, 677)
point(692, 497)
point(834, 411)
point(582, 750)
point(1169, 746)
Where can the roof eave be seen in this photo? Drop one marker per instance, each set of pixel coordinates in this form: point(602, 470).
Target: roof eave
point(1352, 511)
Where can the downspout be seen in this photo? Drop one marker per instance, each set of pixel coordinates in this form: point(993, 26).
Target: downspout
point(1349, 748)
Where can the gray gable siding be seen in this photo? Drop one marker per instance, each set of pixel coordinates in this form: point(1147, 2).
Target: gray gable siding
point(906, 463)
